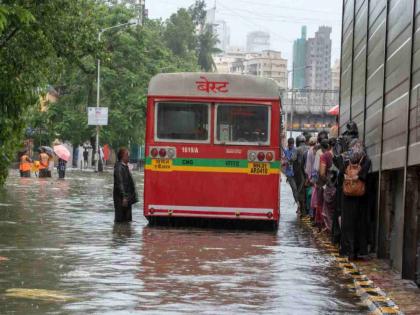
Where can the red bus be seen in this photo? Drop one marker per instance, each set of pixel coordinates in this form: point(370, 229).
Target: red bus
point(212, 148)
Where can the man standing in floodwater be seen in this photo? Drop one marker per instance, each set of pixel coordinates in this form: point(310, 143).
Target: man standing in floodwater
point(124, 188)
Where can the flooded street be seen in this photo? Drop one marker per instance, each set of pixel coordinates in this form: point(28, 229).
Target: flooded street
point(60, 236)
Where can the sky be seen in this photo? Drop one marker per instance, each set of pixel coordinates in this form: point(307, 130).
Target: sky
point(283, 19)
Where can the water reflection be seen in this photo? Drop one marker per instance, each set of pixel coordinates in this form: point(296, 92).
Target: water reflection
point(121, 233)
point(210, 268)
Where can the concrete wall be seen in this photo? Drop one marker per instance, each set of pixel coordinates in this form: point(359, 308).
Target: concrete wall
point(380, 81)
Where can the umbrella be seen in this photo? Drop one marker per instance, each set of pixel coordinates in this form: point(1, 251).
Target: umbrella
point(47, 149)
point(62, 152)
point(334, 110)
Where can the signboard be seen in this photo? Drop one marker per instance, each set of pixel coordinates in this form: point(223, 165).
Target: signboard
point(98, 116)
point(257, 168)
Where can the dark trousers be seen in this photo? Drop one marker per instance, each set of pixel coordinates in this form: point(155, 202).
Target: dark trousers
point(61, 173)
point(45, 172)
point(293, 186)
point(25, 173)
point(122, 214)
point(302, 200)
point(353, 227)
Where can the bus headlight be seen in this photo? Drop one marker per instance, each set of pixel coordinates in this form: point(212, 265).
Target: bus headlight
point(171, 153)
point(252, 156)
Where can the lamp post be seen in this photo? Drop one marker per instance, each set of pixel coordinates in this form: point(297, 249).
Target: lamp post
point(98, 82)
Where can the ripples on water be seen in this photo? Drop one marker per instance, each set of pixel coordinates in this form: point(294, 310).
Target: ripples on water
point(60, 235)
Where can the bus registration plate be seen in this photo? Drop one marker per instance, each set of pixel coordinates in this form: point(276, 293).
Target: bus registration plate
point(162, 165)
point(258, 168)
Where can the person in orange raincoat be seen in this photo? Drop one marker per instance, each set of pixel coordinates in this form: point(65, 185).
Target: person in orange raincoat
point(44, 161)
point(25, 165)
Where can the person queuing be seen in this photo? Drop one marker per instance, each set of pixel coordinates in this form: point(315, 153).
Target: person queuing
point(124, 193)
point(44, 163)
point(289, 158)
point(327, 177)
point(25, 165)
point(354, 165)
point(299, 173)
point(317, 200)
point(310, 158)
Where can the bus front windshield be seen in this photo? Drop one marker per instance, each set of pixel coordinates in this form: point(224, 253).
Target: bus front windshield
point(242, 124)
point(182, 121)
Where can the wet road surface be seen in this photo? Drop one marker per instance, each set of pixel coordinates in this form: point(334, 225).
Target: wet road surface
point(60, 236)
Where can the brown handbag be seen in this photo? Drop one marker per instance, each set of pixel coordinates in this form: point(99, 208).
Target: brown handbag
point(353, 186)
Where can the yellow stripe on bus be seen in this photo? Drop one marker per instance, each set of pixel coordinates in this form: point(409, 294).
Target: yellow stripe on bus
point(208, 169)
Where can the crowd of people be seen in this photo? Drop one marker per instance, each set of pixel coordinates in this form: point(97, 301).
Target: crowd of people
point(328, 177)
point(42, 167)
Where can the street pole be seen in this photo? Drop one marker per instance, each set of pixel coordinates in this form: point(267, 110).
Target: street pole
point(291, 113)
point(286, 114)
point(293, 101)
point(98, 83)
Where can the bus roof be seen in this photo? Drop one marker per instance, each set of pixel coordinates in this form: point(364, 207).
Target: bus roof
point(215, 85)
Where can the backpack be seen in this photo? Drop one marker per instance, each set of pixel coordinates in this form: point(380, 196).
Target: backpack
point(352, 185)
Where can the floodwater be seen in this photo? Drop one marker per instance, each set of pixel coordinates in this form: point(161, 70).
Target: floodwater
point(59, 236)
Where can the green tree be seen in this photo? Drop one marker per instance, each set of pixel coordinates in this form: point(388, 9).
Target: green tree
point(198, 13)
point(207, 42)
point(129, 58)
point(55, 43)
point(179, 34)
point(36, 39)
point(206, 38)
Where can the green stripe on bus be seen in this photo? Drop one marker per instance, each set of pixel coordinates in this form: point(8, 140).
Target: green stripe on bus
point(232, 163)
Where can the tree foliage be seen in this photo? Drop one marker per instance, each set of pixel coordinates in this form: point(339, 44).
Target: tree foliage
point(180, 34)
point(206, 37)
point(54, 43)
point(198, 13)
point(207, 42)
point(36, 39)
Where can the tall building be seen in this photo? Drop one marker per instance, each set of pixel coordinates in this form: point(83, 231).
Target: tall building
point(268, 64)
point(257, 41)
point(299, 61)
point(232, 61)
point(318, 60)
point(335, 75)
point(211, 16)
point(220, 28)
point(222, 31)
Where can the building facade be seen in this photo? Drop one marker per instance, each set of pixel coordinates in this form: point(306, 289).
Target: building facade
point(380, 91)
point(299, 61)
point(318, 60)
point(335, 75)
point(257, 41)
point(222, 31)
point(268, 64)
